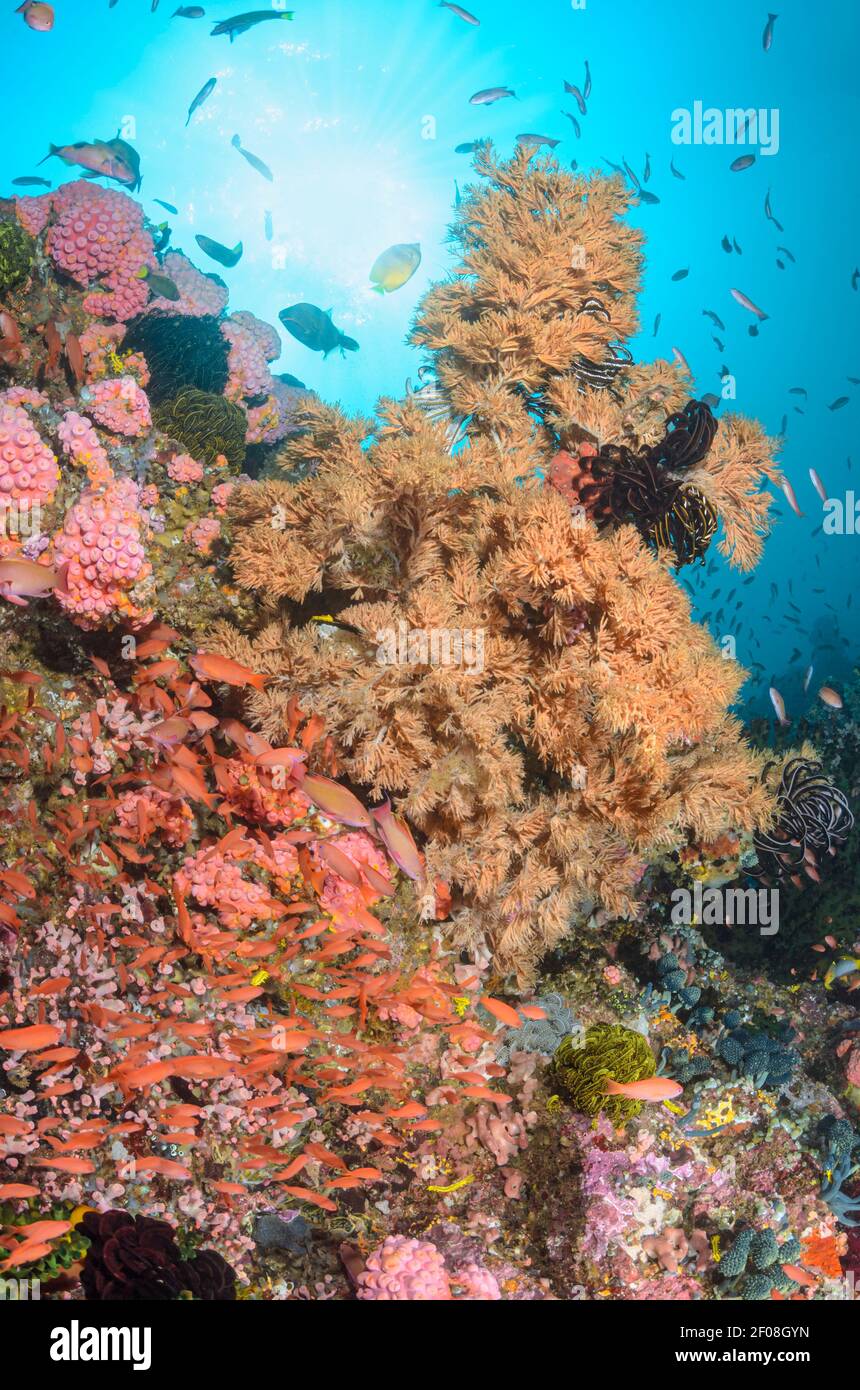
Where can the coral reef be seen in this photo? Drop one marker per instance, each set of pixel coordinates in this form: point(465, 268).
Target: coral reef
point(261, 1038)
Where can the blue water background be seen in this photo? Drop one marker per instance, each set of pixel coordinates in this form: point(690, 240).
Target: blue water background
point(357, 109)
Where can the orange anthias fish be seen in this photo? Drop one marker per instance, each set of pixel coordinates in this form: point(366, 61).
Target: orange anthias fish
point(651, 1088)
point(37, 16)
point(334, 800)
point(23, 579)
point(29, 1039)
point(779, 705)
point(830, 697)
point(209, 666)
point(397, 838)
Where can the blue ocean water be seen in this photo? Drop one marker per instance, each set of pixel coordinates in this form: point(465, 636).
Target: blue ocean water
point(357, 110)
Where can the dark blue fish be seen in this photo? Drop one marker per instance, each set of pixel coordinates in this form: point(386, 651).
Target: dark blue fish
point(241, 23)
point(767, 36)
point(578, 98)
point(203, 95)
point(313, 328)
point(222, 254)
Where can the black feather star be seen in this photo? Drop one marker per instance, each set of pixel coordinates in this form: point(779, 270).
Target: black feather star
point(813, 819)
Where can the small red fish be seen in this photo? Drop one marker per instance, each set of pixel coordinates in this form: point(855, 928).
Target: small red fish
point(779, 705)
point(650, 1088)
point(37, 16)
point(29, 1039)
point(212, 667)
point(335, 801)
point(397, 838)
point(830, 697)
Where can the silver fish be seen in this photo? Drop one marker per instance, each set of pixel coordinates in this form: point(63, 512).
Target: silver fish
point(459, 12)
point(487, 95)
point(746, 303)
point(578, 97)
point(531, 139)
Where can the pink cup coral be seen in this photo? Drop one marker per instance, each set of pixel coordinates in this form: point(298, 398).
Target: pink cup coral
point(405, 1269)
point(102, 541)
point(199, 294)
point(81, 444)
point(119, 405)
point(217, 881)
point(95, 235)
point(169, 816)
point(28, 469)
point(203, 534)
point(182, 468)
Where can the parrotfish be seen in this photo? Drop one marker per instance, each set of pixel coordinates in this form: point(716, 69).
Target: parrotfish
point(313, 328)
point(161, 285)
point(222, 254)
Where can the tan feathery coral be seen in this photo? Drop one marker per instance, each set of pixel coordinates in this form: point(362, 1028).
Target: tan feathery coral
point(583, 725)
